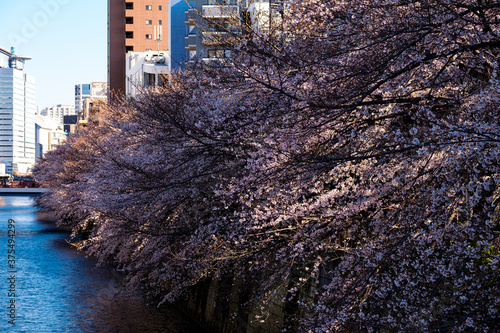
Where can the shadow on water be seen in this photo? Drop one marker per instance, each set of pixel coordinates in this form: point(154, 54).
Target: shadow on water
point(60, 289)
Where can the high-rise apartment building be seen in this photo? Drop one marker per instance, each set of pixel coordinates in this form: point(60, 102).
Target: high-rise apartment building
point(137, 26)
point(182, 29)
point(213, 24)
point(57, 112)
point(208, 23)
point(17, 113)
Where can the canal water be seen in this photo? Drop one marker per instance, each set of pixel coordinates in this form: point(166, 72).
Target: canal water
point(46, 285)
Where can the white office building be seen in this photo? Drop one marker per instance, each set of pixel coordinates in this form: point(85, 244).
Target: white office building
point(83, 91)
point(17, 113)
point(49, 134)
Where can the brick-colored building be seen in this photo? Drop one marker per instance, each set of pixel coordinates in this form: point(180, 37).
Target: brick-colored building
point(134, 26)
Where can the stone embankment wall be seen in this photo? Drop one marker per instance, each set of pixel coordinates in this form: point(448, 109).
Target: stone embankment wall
point(220, 305)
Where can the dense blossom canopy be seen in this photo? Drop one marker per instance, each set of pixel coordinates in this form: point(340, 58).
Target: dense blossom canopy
point(353, 150)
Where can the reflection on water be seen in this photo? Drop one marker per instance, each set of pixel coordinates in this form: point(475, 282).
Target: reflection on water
point(58, 289)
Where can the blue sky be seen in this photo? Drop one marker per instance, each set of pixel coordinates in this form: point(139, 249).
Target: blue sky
point(66, 38)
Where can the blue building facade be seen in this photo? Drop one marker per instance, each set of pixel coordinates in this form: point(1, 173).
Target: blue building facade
point(177, 31)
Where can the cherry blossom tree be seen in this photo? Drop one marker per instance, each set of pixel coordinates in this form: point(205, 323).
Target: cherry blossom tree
point(349, 158)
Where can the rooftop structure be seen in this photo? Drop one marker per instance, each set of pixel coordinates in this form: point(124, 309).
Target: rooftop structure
point(146, 69)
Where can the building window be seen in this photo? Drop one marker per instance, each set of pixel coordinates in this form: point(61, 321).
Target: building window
point(149, 7)
point(129, 48)
point(149, 80)
point(159, 8)
point(212, 53)
point(148, 36)
point(129, 34)
point(129, 5)
point(149, 22)
point(217, 53)
point(129, 20)
point(160, 22)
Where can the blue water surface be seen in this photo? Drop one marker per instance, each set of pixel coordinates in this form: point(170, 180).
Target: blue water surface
point(59, 289)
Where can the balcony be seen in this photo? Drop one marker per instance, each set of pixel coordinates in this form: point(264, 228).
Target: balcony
point(190, 17)
point(214, 37)
point(219, 11)
point(190, 42)
point(216, 62)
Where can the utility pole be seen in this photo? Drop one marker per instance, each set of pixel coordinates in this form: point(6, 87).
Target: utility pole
point(158, 35)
